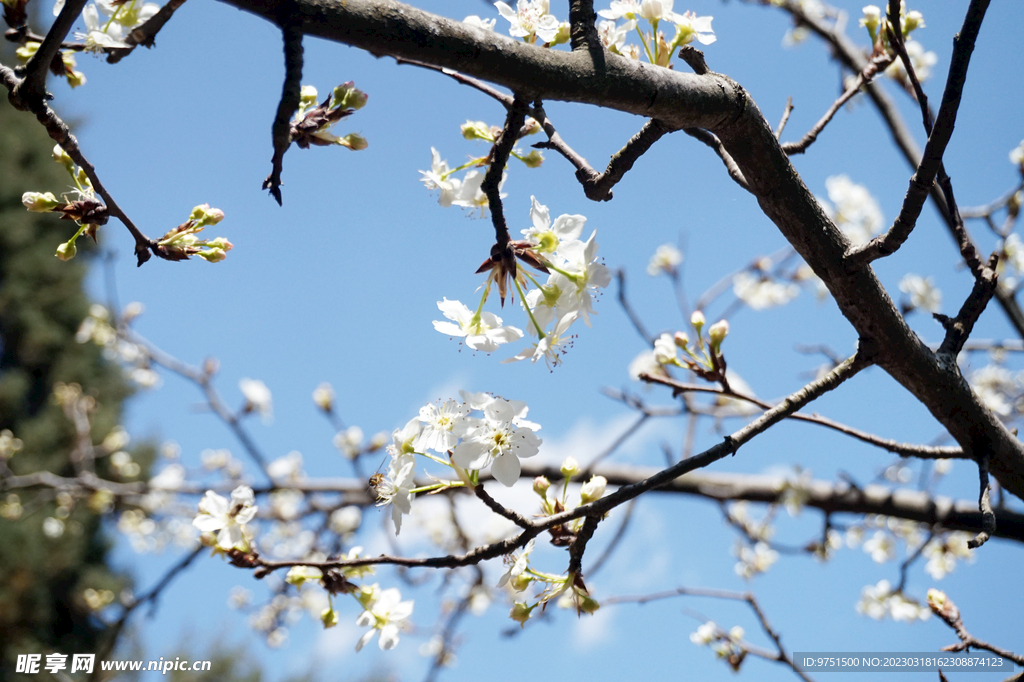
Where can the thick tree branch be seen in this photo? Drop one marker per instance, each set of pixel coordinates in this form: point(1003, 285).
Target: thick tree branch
point(712, 102)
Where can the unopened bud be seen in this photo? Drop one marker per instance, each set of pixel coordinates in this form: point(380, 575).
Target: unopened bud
point(570, 467)
point(531, 126)
point(329, 617)
point(697, 320)
point(717, 333)
point(348, 96)
point(66, 251)
point(562, 36)
point(914, 20)
point(354, 141)
point(520, 613)
point(520, 582)
point(587, 604)
point(39, 202)
point(593, 489)
point(477, 130)
point(533, 160)
point(307, 97)
point(681, 340)
point(323, 396)
point(541, 485)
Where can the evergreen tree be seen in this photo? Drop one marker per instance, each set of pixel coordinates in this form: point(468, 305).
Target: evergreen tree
point(44, 603)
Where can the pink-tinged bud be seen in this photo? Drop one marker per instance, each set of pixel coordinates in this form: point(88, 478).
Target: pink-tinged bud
point(66, 251)
point(541, 485)
point(681, 340)
point(533, 160)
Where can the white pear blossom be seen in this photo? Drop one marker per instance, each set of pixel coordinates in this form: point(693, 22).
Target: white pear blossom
point(997, 388)
point(923, 292)
point(754, 560)
point(520, 561)
point(665, 350)
point(691, 26)
point(612, 35)
point(257, 398)
point(531, 20)
point(438, 177)
point(1017, 155)
point(500, 439)
point(666, 259)
point(855, 211)
point(470, 195)
point(385, 613)
point(547, 238)
point(395, 488)
point(586, 273)
point(227, 519)
point(101, 35)
point(552, 346)
point(645, 363)
point(705, 634)
point(287, 468)
point(437, 424)
point(483, 332)
point(619, 9)
point(761, 292)
point(881, 546)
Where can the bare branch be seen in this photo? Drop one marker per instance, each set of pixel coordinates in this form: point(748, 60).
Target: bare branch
point(281, 135)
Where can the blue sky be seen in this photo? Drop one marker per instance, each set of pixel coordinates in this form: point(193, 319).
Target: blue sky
point(341, 283)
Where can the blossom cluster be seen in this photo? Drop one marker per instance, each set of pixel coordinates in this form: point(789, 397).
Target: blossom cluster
point(653, 43)
point(312, 123)
point(480, 431)
point(575, 276)
point(853, 209)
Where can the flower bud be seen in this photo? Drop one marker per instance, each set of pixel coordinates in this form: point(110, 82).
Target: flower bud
point(531, 126)
point(66, 251)
point(300, 574)
point(681, 340)
point(348, 96)
point(323, 396)
point(26, 51)
point(329, 617)
point(533, 160)
point(521, 582)
point(698, 321)
point(587, 604)
point(520, 613)
point(61, 157)
point(39, 202)
point(914, 20)
point(570, 467)
point(717, 333)
point(477, 130)
point(354, 141)
point(871, 20)
point(541, 485)
point(593, 489)
point(307, 97)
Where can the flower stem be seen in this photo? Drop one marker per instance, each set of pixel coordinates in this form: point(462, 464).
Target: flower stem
point(522, 297)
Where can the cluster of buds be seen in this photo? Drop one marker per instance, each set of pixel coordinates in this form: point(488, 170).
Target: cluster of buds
point(726, 645)
point(706, 360)
point(182, 242)
point(86, 210)
point(313, 122)
point(879, 28)
point(63, 64)
point(592, 490)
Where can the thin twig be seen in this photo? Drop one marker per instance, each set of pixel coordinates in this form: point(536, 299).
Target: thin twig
point(785, 117)
point(291, 93)
point(711, 140)
point(984, 505)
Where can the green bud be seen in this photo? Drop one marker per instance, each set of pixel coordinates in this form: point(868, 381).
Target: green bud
point(520, 613)
point(562, 36)
point(329, 617)
point(66, 251)
point(521, 582)
point(348, 96)
point(353, 141)
point(307, 97)
point(477, 130)
point(26, 51)
point(533, 160)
